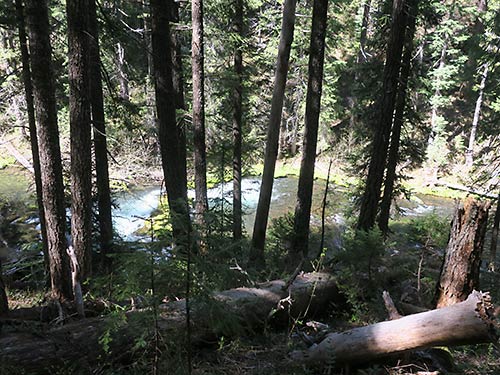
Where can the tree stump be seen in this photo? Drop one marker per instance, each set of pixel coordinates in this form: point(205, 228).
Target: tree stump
point(460, 269)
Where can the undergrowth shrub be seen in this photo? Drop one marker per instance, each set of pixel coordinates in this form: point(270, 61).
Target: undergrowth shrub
point(279, 239)
point(430, 230)
point(358, 269)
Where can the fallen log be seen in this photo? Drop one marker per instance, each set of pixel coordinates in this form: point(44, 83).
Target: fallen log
point(92, 341)
point(468, 322)
point(466, 189)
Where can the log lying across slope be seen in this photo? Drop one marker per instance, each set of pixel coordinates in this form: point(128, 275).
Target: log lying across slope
point(81, 342)
point(468, 322)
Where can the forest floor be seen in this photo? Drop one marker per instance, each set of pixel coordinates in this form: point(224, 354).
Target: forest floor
point(407, 268)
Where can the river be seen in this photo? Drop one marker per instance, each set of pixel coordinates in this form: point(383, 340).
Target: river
point(133, 207)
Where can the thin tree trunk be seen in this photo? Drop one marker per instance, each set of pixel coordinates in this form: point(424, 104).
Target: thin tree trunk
point(200, 158)
point(371, 196)
point(4, 302)
point(460, 269)
point(494, 236)
point(122, 75)
point(435, 108)
point(100, 142)
point(323, 208)
point(299, 248)
point(168, 131)
point(271, 153)
point(364, 32)
point(80, 134)
point(393, 158)
point(28, 91)
point(469, 154)
point(237, 121)
point(48, 142)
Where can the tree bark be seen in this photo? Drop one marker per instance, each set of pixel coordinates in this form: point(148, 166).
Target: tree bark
point(271, 153)
point(170, 144)
point(462, 259)
point(48, 142)
point(362, 58)
point(494, 237)
point(4, 302)
point(237, 120)
point(178, 86)
point(469, 153)
point(200, 157)
point(100, 142)
point(380, 144)
point(248, 308)
point(80, 134)
point(28, 91)
point(469, 322)
point(393, 157)
point(313, 106)
point(122, 75)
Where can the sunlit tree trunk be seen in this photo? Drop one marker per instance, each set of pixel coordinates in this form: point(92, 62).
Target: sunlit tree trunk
point(469, 154)
point(237, 121)
point(364, 32)
point(80, 134)
point(271, 153)
point(313, 106)
point(459, 274)
point(165, 108)
point(393, 158)
point(200, 158)
point(48, 142)
point(28, 91)
point(100, 142)
point(435, 128)
point(380, 144)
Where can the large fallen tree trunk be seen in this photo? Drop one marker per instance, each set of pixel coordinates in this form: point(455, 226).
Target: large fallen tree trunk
point(468, 322)
point(227, 313)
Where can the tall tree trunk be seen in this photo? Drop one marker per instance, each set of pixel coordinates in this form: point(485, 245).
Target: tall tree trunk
point(494, 236)
point(4, 302)
point(48, 142)
point(165, 107)
point(435, 131)
point(462, 260)
point(393, 158)
point(100, 142)
point(271, 153)
point(313, 106)
point(380, 144)
point(80, 134)
point(122, 75)
point(364, 32)
point(178, 85)
point(469, 153)
point(200, 158)
point(28, 91)
point(237, 120)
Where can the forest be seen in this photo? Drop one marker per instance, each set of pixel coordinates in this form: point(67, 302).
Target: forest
point(249, 187)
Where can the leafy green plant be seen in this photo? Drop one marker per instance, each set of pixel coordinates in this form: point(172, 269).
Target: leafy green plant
point(279, 239)
point(430, 230)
